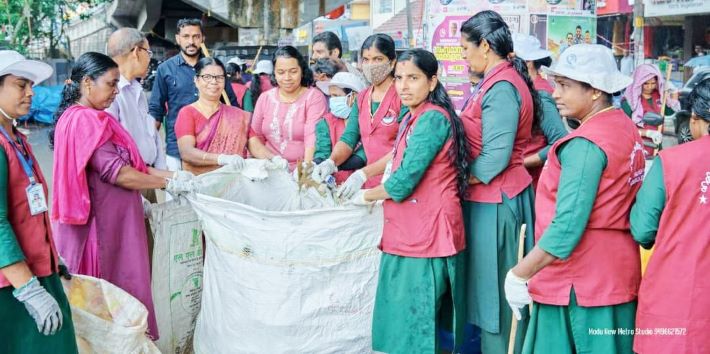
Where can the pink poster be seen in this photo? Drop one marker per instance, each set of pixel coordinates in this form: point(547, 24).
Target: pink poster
point(453, 71)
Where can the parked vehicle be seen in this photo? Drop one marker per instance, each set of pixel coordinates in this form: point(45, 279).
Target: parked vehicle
point(682, 117)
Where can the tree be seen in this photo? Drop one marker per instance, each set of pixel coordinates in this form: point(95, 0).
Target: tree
point(25, 21)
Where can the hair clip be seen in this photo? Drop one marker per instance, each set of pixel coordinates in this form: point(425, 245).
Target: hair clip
point(68, 81)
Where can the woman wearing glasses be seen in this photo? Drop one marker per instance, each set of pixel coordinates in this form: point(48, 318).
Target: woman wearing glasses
point(211, 134)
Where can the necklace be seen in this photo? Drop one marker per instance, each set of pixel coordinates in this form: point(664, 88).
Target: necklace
point(206, 110)
point(592, 115)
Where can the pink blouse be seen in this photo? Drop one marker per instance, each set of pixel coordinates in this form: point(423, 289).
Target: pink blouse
point(288, 128)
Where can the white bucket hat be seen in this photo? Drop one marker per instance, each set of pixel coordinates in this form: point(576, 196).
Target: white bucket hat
point(593, 64)
point(264, 67)
point(342, 80)
point(236, 60)
point(12, 62)
point(528, 48)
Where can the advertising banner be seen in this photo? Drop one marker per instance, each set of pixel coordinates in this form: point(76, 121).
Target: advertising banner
point(565, 31)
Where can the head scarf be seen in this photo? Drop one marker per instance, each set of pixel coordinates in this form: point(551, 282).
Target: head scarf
point(643, 73)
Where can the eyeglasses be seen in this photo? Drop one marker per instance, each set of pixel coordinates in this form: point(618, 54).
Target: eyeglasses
point(150, 52)
point(216, 78)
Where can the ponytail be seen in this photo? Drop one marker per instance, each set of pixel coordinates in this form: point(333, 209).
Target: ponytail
point(522, 69)
point(459, 152)
point(255, 88)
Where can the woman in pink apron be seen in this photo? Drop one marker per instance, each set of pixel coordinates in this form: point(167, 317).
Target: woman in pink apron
point(671, 211)
point(373, 122)
point(421, 272)
point(582, 275)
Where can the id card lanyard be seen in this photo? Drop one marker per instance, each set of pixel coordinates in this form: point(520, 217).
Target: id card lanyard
point(26, 162)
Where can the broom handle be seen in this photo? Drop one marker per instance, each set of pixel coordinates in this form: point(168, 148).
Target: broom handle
point(206, 53)
point(514, 324)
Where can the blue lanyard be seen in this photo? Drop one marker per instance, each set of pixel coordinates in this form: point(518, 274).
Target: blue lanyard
point(25, 161)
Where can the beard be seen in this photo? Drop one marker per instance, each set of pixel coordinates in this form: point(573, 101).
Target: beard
point(185, 51)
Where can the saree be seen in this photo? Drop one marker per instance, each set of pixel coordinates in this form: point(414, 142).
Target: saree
point(226, 132)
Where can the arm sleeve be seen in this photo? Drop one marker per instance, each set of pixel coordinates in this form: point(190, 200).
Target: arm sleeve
point(351, 135)
point(107, 161)
point(10, 251)
point(230, 94)
point(185, 123)
point(500, 116)
point(428, 137)
point(551, 124)
point(248, 102)
point(626, 107)
point(582, 166)
point(158, 97)
point(323, 144)
point(315, 109)
point(648, 207)
point(257, 119)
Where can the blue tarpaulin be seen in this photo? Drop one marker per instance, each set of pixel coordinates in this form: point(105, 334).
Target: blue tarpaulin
point(44, 103)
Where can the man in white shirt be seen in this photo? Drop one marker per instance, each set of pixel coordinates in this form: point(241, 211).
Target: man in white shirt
point(129, 48)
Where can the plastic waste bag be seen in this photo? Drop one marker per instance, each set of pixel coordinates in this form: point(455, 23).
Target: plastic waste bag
point(107, 320)
point(286, 269)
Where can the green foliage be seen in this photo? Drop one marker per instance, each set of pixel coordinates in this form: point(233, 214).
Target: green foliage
point(23, 21)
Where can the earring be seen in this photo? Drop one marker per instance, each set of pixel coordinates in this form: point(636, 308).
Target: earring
point(595, 97)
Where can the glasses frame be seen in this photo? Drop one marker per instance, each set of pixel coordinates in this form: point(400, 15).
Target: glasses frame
point(150, 52)
point(213, 78)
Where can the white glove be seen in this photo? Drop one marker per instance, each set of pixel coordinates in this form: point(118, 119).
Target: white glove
point(516, 292)
point(359, 199)
point(278, 163)
point(43, 308)
point(178, 187)
point(234, 160)
point(304, 170)
point(146, 207)
point(183, 175)
point(655, 135)
point(352, 185)
point(323, 170)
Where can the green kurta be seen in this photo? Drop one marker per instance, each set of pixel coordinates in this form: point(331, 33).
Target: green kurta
point(18, 331)
point(551, 123)
point(582, 166)
point(248, 102)
point(324, 145)
point(492, 230)
point(417, 296)
point(649, 205)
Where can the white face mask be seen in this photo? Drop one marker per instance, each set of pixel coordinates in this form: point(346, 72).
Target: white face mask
point(339, 106)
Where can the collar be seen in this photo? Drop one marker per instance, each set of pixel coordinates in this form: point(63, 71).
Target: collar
point(123, 83)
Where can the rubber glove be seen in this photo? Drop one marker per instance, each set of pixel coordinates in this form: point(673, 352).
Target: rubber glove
point(183, 175)
point(516, 292)
point(655, 135)
point(359, 199)
point(323, 170)
point(234, 160)
point(352, 185)
point(43, 308)
point(178, 187)
point(63, 270)
point(278, 163)
point(146, 207)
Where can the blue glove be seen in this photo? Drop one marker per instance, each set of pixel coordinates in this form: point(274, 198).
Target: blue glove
point(43, 308)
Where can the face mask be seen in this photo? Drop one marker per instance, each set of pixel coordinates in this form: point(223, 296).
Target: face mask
point(339, 106)
point(376, 73)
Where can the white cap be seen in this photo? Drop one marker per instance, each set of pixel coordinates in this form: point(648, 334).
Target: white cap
point(590, 63)
point(12, 62)
point(528, 48)
point(342, 80)
point(264, 67)
point(236, 60)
